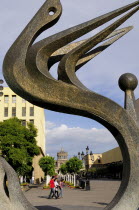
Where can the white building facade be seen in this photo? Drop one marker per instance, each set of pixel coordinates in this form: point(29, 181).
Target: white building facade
point(12, 105)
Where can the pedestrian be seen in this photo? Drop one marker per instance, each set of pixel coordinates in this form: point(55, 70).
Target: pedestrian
point(56, 187)
point(52, 186)
point(33, 180)
point(61, 184)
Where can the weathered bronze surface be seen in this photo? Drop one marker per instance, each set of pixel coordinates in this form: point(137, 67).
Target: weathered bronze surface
point(26, 70)
point(1, 87)
point(12, 197)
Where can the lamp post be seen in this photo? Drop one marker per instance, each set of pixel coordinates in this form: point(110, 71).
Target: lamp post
point(82, 155)
point(87, 150)
point(87, 158)
point(87, 182)
point(91, 153)
point(87, 167)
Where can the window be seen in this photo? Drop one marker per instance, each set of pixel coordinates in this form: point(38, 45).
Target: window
point(23, 122)
point(31, 111)
point(32, 121)
point(13, 98)
point(23, 111)
point(5, 111)
point(6, 99)
point(13, 111)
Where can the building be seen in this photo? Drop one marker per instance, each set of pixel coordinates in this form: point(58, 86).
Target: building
point(112, 156)
point(101, 159)
point(12, 105)
point(93, 160)
point(62, 157)
point(106, 165)
point(90, 159)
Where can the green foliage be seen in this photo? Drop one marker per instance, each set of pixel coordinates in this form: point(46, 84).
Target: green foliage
point(47, 164)
point(92, 170)
point(66, 182)
point(24, 184)
point(74, 165)
point(18, 145)
point(71, 184)
point(63, 169)
point(46, 187)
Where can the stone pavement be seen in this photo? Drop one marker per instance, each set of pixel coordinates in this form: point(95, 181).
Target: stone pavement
point(101, 193)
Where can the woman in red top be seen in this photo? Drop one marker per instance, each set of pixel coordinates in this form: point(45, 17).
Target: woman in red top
point(52, 186)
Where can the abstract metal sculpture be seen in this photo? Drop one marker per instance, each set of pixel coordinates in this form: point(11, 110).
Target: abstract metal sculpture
point(26, 70)
point(1, 87)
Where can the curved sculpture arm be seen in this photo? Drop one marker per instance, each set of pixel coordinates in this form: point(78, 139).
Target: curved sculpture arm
point(41, 54)
point(11, 197)
point(58, 55)
point(66, 69)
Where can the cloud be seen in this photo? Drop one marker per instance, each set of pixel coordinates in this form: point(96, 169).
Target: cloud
point(49, 125)
point(75, 139)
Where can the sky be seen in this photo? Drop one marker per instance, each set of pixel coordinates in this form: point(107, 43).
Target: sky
point(74, 133)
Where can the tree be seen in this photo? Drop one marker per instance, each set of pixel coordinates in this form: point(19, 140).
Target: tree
point(18, 145)
point(63, 169)
point(74, 165)
point(47, 164)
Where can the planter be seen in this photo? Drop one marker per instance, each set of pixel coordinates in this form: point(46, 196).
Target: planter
point(24, 187)
point(72, 187)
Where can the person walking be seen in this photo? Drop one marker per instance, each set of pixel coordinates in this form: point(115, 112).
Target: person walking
point(56, 187)
point(52, 186)
point(61, 184)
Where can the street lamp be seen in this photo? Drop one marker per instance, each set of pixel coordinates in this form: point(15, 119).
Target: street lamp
point(87, 149)
point(82, 155)
point(91, 153)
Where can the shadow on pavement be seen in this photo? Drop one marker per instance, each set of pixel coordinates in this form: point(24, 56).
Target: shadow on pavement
point(47, 208)
point(69, 208)
point(101, 203)
point(33, 186)
point(43, 196)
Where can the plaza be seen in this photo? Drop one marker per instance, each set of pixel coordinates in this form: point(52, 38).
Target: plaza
point(100, 195)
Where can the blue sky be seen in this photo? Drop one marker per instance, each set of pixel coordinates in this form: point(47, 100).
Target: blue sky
point(101, 75)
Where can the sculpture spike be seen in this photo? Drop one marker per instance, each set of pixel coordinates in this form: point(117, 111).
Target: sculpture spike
point(41, 51)
point(66, 69)
point(58, 55)
point(128, 82)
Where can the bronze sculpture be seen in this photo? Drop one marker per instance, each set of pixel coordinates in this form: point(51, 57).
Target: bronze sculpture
point(26, 70)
